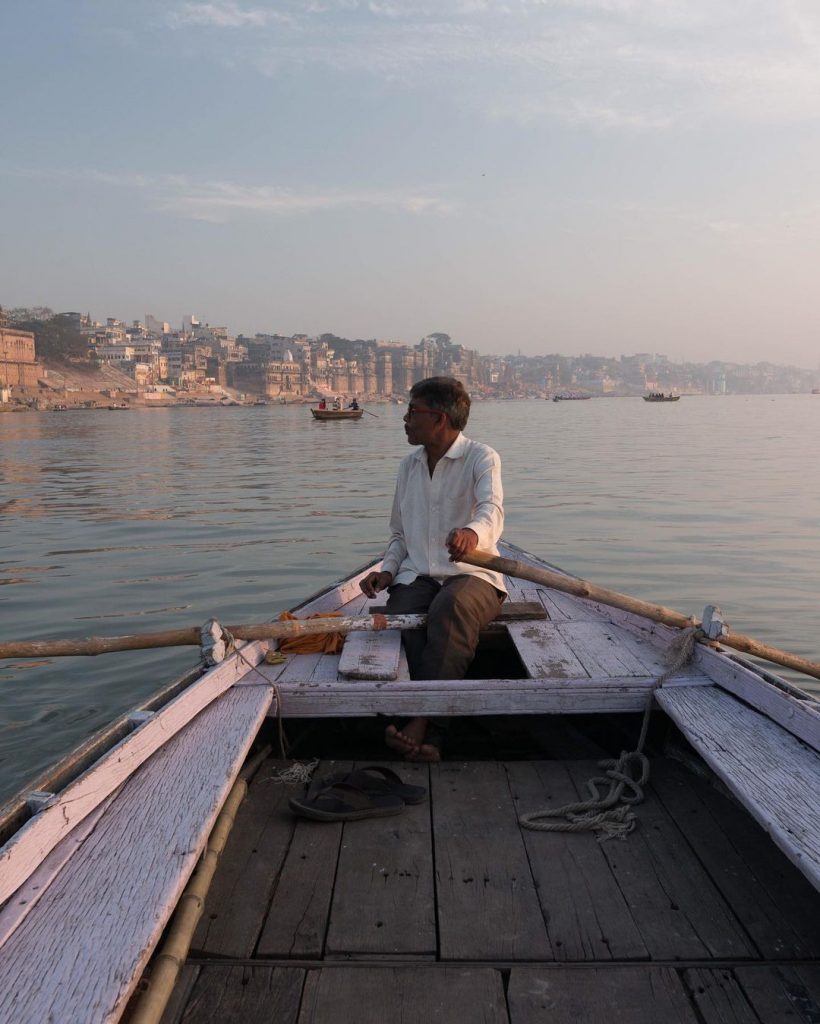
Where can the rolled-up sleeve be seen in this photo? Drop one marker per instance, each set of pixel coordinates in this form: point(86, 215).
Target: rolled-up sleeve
point(488, 515)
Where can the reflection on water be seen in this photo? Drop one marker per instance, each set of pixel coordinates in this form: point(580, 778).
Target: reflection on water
point(164, 518)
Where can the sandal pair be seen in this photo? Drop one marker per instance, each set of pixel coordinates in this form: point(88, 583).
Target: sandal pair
point(372, 792)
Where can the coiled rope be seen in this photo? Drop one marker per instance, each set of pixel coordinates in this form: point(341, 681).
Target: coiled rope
point(611, 815)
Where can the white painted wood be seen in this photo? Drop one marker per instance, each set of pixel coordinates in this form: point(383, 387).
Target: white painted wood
point(26, 897)
point(336, 596)
point(774, 775)
point(327, 669)
point(799, 717)
point(544, 652)
point(35, 840)
point(79, 954)
point(371, 655)
point(780, 700)
point(351, 698)
point(601, 649)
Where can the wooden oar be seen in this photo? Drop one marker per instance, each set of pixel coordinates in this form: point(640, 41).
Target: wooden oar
point(656, 612)
point(375, 417)
point(191, 637)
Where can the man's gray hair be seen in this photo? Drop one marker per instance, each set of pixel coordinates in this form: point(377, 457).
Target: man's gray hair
point(447, 395)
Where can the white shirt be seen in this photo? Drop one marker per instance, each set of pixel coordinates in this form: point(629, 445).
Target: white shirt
point(464, 491)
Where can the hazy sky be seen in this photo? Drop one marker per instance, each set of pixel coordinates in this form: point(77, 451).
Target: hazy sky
point(597, 176)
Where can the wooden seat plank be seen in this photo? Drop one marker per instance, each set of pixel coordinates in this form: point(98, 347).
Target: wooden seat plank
point(602, 649)
point(487, 903)
point(771, 772)
point(604, 995)
point(383, 900)
point(371, 655)
point(676, 906)
point(80, 952)
point(544, 651)
point(369, 995)
point(586, 913)
point(775, 903)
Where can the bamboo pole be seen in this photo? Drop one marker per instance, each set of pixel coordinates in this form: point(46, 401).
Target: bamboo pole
point(92, 645)
point(655, 612)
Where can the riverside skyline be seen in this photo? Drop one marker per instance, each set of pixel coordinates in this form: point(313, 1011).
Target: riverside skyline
point(599, 176)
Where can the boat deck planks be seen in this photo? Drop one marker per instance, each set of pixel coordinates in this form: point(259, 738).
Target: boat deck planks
point(773, 774)
point(383, 899)
point(465, 896)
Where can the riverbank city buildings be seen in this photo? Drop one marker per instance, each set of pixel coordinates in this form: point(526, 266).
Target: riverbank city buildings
point(291, 367)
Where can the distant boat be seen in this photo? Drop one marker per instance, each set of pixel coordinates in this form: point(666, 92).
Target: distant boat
point(659, 396)
point(815, 391)
point(337, 414)
point(570, 398)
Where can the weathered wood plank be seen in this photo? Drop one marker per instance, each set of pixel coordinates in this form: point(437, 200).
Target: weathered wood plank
point(327, 669)
point(676, 907)
point(383, 899)
point(718, 997)
point(28, 847)
point(297, 919)
point(776, 905)
point(353, 698)
point(371, 655)
point(544, 652)
point(771, 772)
point(79, 954)
point(250, 995)
point(606, 995)
point(25, 899)
point(586, 913)
point(799, 717)
point(487, 903)
point(782, 993)
point(238, 900)
point(601, 648)
point(418, 994)
point(298, 667)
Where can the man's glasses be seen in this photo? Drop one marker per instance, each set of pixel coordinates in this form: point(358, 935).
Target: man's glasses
point(412, 411)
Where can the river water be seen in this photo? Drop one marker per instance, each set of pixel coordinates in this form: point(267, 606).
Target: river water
point(119, 522)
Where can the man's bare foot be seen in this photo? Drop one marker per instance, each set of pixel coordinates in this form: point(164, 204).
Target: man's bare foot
point(399, 741)
point(410, 741)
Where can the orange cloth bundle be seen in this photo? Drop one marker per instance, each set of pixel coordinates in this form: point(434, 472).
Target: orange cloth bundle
point(315, 643)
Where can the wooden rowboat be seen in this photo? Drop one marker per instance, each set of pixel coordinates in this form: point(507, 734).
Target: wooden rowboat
point(451, 911)
point(337, 414)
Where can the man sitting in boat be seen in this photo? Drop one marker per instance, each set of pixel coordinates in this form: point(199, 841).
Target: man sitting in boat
point(322, 404)
point(337, 404)
point(448, 501)
point(354, 404)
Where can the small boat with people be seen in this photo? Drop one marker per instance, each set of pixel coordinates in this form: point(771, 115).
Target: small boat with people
point(659, 396)
point(336, 411)
point(627, 814)
point(570, 396)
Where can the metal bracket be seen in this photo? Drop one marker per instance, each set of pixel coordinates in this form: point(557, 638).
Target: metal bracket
point(213, 646)
point(713, 624)
point(138, 718)
point(38, 800)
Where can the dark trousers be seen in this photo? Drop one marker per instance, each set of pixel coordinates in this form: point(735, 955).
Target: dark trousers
point(457, 610)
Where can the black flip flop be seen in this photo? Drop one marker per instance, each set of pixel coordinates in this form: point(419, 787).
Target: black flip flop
point(373, 779)
point(343, 802)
